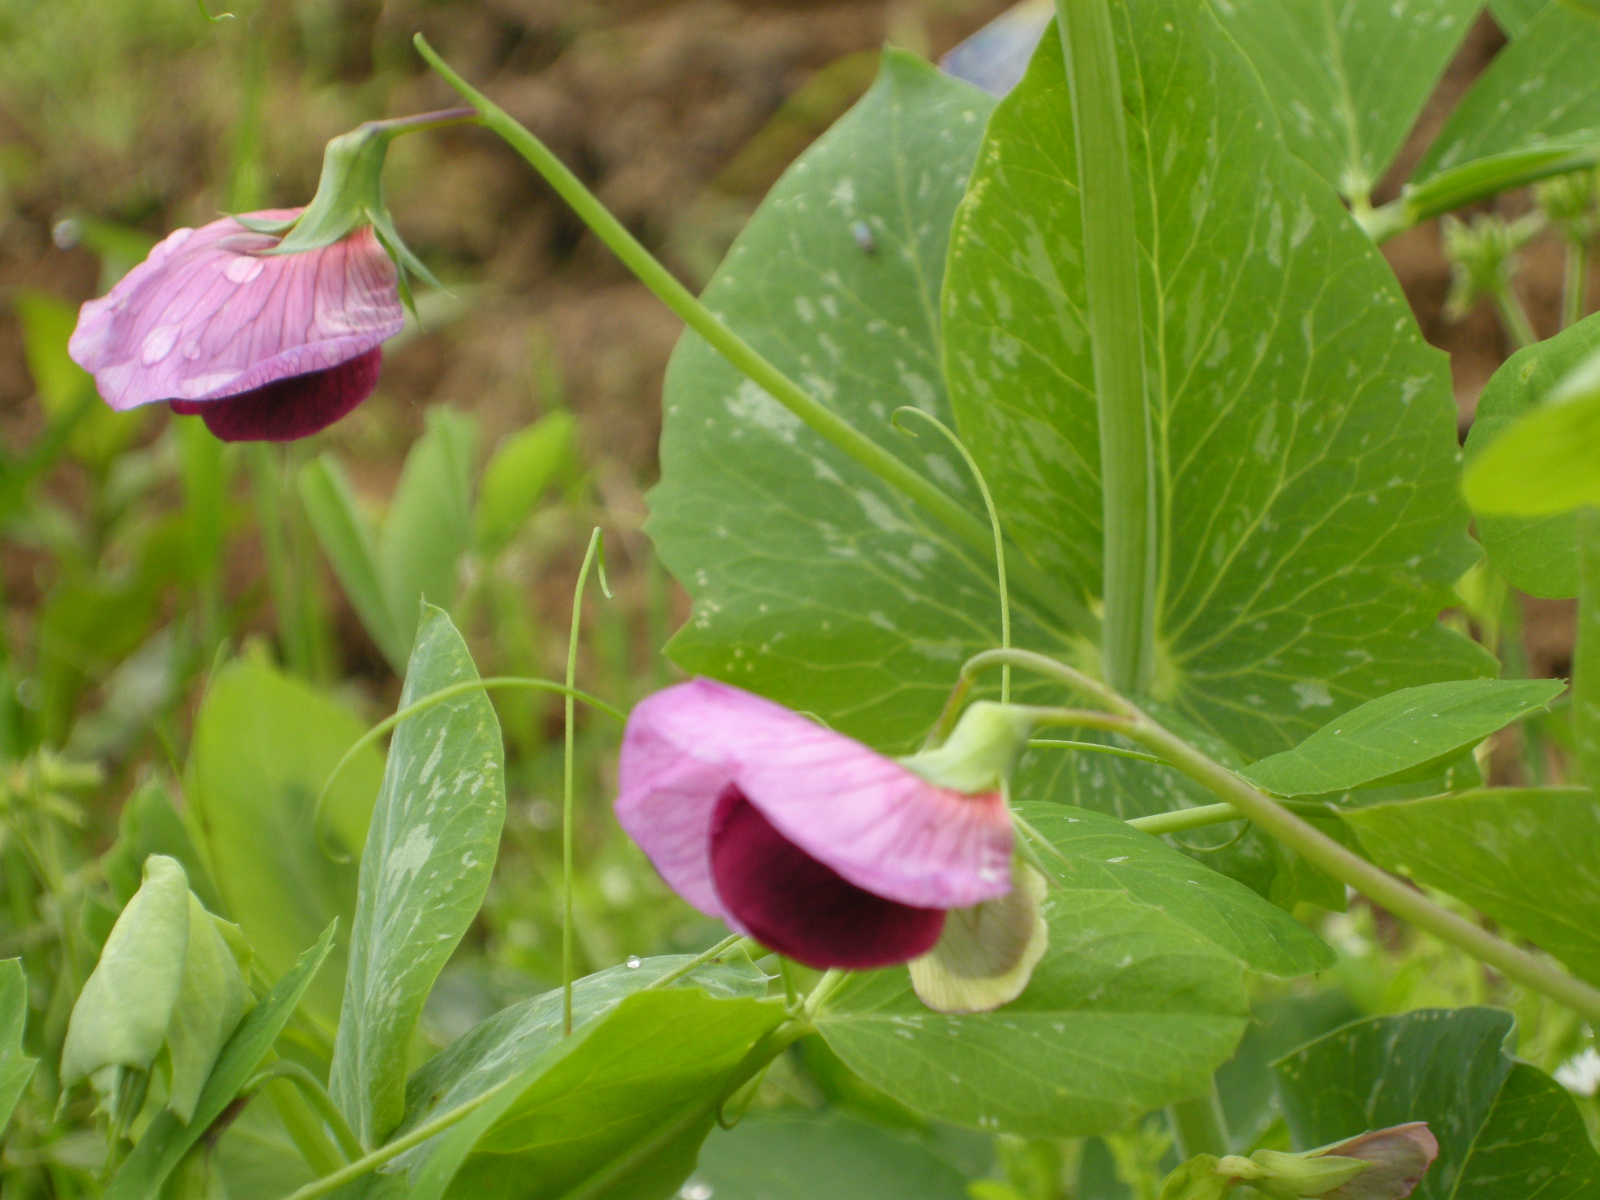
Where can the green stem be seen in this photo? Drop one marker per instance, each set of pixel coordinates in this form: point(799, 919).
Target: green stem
point(392, 1150)
point(310, 1087)
point(1116, 335)
point(594, 555)
point(817, 999)
point(1187, 818)
point(1586, 664)
point(305, 1130)
point(1042, 590)
point(698, 961)
point(1310, 843)
point(1575, 285)
point(1096, 748)
point(1514, 317)
point(1199, 1127)
point(1377, 885)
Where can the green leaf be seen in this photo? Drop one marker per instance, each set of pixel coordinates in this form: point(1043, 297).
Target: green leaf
point(1541, 90)
point(264, 745)
point(517, 477)
point(813, 581)
point(1510, 852)
point(430, 851)
point(801, 1156)
point(429, 523)
point(1089, 851)
point(1505, 1129)
point(16, 1068)
point(1586, 654)
point(1537, 555)
point(617, 1109)
point(168, 1139)
point(1513, 16)
point(1545, 462)
point(1128, 1011)
point(1349, 79)
point(514, 1038)
point(1407, 734)
point(1304, 433)
point(351, 546)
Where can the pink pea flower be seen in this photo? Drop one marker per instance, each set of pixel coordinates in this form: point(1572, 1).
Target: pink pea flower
point(815, 845)
point(261, 347)
point(1400, 1157)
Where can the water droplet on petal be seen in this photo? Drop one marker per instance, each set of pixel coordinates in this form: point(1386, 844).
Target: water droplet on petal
point(158, 344)
point(243, 269)
point(633, 962)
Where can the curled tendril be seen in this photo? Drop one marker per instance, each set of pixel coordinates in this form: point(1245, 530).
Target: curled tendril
point(896, 419)
point(1227, 845)
point(216, 20)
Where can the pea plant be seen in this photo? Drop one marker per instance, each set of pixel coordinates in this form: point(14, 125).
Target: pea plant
point(1068, 501)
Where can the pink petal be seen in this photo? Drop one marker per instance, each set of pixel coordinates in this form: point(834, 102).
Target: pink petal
point(1401, 1156)
point(291, 408)
point(207, 315)
point(791, 903)
point(881, 827)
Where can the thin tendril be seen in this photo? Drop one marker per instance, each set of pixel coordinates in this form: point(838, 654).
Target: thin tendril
point(994, 526)
point(1098, 748)
point(417, 707)
point(216, 20)
point(595, 556)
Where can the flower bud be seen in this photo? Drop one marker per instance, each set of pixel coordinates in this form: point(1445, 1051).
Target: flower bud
point(167, 993)
point(981, 752)
point(986, 954)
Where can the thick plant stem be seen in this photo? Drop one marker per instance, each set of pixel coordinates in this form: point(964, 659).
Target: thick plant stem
point(1043, 592)
point(1586, 663)
point(1310, 843)
point(1116, 325)
point(1199, 1127)
point(1186, 818)
point(311, 1089)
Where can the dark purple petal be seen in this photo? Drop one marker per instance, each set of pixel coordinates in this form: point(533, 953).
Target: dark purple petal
point(291, 408)
point(791, 903)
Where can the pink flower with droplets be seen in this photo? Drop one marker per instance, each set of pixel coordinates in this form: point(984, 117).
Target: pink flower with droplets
point(261, 347)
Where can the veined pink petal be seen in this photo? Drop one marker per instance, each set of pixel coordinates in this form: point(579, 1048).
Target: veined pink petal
point(863, 815)
point(208, 316)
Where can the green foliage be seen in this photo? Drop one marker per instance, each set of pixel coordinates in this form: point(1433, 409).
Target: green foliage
point(1402, 737)
point(264, 745)
point(796, 1156)
point(1540, 92)
point(16, 1068)
point(1500, 1123)
point(1537, 554)
point(430, 851)
point(1348, 81)
point(1291, 390)
point(1513, 16)
point(1510, 852)
point(166, 1141)
point(516, 478)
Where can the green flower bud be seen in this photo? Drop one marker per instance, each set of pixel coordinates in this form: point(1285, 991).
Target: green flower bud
point(979, 755)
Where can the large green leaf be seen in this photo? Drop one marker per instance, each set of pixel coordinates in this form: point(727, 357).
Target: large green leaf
point(350, 543)
point(1128, 1011)
point(1089, 851)
point(619, 1108)
point(813, 581)
point(167, 1139)
point(264, 746)
point(16, 1068)
point(1349, 77)
point(1304, 434)
point(430, 851)
point(1537, 554)
point(1521, 855)
point(1506, 1130)
point(1541, 90)
point(801, 1156)
point(1407, 733)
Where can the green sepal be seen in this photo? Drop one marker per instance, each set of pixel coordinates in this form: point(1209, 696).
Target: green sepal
point(980, 753)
